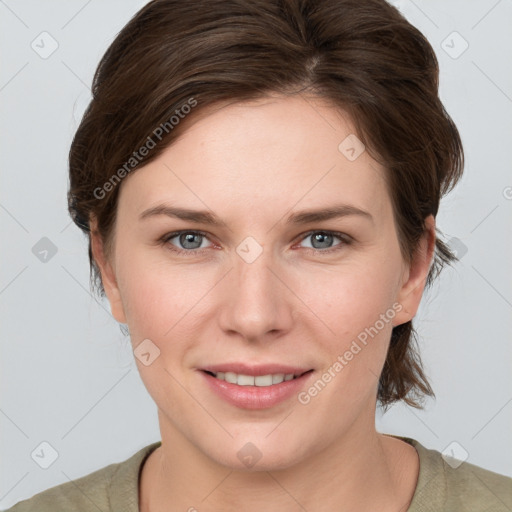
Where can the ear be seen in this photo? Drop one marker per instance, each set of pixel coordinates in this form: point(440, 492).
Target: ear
point(108, 277)
point(415, 275)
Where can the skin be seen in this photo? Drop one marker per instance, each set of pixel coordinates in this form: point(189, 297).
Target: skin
point(252, 164)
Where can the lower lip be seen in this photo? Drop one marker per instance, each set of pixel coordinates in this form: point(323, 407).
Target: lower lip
point(256, 397)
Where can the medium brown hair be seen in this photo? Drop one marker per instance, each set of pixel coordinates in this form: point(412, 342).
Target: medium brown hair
point(362, 56)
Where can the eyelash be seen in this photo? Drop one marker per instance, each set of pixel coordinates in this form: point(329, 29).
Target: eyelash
point(345, 240)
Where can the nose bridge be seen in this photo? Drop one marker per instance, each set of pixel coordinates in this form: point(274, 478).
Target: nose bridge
point(253, 275)
point(257, 302)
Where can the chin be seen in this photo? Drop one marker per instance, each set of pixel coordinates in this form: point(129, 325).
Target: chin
point(258, 455)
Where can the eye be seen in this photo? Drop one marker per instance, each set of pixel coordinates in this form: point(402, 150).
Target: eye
point(321, 240)
point(189, 241)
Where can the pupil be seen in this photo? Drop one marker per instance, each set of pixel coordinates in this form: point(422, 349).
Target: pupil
point(321, 237)
point(189, 238)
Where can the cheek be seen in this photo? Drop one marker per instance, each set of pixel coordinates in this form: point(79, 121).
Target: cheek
point(350, 298)
point(162, 304)
point(356, 303)
point(158, 299)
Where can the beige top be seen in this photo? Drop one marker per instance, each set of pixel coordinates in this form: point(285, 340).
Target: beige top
point(440, 487)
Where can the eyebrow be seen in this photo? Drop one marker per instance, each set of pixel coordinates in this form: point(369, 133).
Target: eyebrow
point(303, 217)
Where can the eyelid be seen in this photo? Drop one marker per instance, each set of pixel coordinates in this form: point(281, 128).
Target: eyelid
point(343, 237)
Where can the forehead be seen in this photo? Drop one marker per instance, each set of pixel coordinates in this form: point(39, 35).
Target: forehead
point(266, 154)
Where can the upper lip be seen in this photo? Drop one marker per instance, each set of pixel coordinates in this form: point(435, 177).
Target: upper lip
point(255, 370)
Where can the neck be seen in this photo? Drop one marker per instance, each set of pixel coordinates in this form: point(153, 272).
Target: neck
point(363, 470)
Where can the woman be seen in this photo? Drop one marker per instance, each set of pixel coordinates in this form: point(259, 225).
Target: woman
point(259, 182)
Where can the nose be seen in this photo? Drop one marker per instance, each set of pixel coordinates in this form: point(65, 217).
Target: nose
point(258, 305)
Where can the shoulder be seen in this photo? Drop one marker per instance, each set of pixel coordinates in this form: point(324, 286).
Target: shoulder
point(82, 494)
point(108, 488)
point(446, 484)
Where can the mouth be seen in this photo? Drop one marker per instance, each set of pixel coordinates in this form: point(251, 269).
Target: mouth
point(250, 387)
point(267, 380)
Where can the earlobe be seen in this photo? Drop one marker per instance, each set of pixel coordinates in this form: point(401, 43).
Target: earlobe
point(108, 276)
point(411, 291)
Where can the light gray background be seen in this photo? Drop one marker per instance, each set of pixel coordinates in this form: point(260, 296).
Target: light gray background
point(68, 376)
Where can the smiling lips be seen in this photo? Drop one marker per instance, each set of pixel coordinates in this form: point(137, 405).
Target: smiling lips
point(262, 375)
point(251, 380)
point(255, 387)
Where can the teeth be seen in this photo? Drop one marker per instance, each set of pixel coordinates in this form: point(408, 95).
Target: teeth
point(250, 380)
point(277, 378)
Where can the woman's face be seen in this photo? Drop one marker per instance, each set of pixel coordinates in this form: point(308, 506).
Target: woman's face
point(260, 287)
